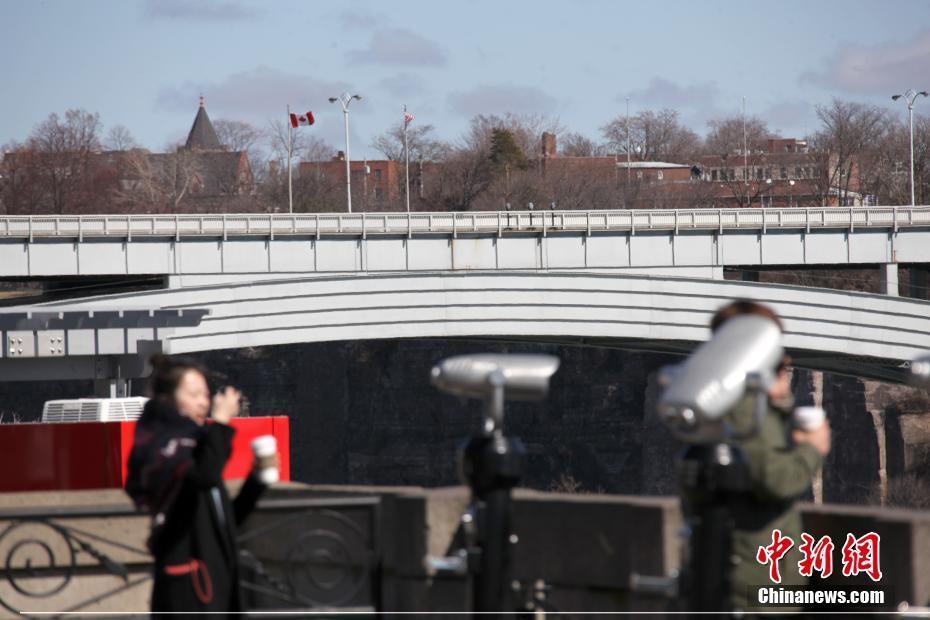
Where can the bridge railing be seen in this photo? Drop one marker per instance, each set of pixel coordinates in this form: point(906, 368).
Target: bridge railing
point(501, 222)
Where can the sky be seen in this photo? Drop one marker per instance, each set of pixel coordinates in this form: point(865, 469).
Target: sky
point(144, 63)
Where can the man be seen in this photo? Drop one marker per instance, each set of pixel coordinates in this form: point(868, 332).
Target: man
point(782, 463)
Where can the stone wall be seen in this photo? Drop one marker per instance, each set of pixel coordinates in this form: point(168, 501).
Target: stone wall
point(365, 413)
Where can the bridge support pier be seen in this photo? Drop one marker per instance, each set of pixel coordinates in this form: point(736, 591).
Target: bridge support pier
point(111, 388)
point(888, 275)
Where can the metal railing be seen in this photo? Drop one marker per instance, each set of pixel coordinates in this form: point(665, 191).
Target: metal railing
point(297, 553)
point(499, 222)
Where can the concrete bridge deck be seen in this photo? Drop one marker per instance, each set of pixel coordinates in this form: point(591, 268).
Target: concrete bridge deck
point(548, 240)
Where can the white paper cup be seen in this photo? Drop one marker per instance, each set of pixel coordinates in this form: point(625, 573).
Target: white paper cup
point(265, 448)
point(809, 418)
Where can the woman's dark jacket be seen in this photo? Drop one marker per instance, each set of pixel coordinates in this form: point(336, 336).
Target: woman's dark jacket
point(175, 473)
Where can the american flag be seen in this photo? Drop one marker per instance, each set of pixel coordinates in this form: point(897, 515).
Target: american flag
point(408, 118)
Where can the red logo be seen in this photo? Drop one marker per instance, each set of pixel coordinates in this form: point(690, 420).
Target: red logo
point(774, 552)
point(860, 555)
point(817, 557)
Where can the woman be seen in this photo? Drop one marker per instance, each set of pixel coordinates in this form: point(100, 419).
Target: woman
point(175, 474)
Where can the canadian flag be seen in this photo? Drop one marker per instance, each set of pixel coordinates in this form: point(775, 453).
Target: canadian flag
point(301, 119)
point(408, 118)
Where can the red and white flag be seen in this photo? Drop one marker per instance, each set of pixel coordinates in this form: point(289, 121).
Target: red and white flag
point(408, 118)
point(302, 119)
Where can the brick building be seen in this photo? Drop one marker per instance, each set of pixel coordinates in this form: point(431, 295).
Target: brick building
point(373, 181)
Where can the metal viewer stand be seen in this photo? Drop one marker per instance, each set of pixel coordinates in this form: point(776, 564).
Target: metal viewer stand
point(492, 465)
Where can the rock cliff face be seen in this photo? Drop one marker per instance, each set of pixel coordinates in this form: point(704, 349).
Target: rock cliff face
point(365, 413)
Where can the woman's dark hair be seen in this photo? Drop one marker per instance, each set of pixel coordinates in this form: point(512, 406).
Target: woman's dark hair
point(167, 372)
point(743, 307)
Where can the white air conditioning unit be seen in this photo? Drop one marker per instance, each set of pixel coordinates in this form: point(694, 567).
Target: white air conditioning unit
point(94, 409)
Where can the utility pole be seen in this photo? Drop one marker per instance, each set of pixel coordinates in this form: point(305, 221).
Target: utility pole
point(290, 148)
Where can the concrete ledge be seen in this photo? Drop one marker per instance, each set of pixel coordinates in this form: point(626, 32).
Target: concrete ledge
point(583, 546)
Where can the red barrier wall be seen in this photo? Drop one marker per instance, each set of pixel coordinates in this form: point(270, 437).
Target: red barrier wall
point(94, 455)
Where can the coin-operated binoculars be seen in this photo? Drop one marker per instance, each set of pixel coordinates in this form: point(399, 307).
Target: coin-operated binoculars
point(739, 361)
point(920, 371)
point(492, 464)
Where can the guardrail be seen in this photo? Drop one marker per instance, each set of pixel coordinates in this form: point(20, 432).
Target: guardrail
point(500, 222)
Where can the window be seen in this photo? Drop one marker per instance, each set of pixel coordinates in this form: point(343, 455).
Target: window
point(713, 175)
point(659, 175)
point(760, 173)
point(732, 174)
point(797, 172)
point(784, 172)
point(377, 174)
point(379, 193)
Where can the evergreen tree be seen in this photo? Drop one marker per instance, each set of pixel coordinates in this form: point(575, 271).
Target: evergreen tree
point(505, 152)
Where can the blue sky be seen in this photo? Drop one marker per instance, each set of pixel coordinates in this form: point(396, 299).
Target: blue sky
point(143, 63)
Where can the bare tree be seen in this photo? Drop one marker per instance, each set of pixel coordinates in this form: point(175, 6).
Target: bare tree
point(457, 182)
point(654, 136)
point(578, 145)
point(21, 188)
point(725, 136)
point(527, 130)
point(120, 139)
point(64, 149)
point(159, 181)
point(423, 147)
point(849, 131)
point(237, 135)
point(314, 191)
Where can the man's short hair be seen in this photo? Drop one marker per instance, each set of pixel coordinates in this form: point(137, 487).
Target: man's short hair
point(742, 307)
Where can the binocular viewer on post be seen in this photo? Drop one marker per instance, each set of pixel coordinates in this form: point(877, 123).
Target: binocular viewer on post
point(495, 378)
point(920, 371)
point(741, 356)
point(492, 465)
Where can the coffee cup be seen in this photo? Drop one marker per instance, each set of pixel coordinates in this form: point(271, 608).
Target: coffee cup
point(265, 449)
point(809, 418)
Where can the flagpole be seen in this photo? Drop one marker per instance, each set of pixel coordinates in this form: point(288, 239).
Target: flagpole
point(290, 147)
point(406, 161)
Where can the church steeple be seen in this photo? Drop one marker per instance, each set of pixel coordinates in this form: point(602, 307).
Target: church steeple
point(202, 136)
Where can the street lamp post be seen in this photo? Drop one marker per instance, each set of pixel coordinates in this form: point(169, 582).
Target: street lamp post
point(628, 141)
point(910, 95)
point(345, 99)
point(790, 185)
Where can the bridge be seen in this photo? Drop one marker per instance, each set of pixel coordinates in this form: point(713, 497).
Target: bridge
point(631, 279)
point(195, 249)
point(864, 334)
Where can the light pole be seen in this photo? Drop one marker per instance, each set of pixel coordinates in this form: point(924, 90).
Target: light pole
point(628, 141)
point(768, 188)
point(345, 99)
point(910, 95)
point(790, 185)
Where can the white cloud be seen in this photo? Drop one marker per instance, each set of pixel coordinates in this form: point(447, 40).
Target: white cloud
point(883, 69)
point(199, 10)
point(256, 93)
point(353, 20)
point(402, 85)
point(399, 46)
point(501, 98)
point(663, 93)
